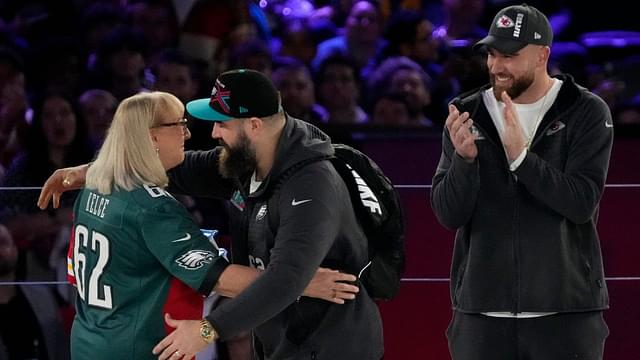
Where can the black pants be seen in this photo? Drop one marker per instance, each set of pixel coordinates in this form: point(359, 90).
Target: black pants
point(564, 336)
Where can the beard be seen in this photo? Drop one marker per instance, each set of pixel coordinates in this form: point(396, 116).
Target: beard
point(238, 160)
point(516, 89)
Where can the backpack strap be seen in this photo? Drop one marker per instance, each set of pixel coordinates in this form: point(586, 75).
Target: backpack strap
point(273, 213)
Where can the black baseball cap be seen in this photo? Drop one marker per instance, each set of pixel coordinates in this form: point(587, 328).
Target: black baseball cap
point(515, 27)
point(241, 93)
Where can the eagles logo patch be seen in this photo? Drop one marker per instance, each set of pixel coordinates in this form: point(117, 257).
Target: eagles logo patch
point(195, 259)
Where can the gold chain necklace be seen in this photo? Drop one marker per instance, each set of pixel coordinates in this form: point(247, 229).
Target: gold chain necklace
point(540, 117)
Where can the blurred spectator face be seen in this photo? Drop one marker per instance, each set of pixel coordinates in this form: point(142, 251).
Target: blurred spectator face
point(390, 112)
point(242, 33)
point(426, 47)
point(297, 42)
point(98, 107)
point(363, 23)
point(469, 10)
point(339, 89)
point(253, 54)
point(58, 121)
point(409, 83)
point(259, 63)
point(126, 63)
point(10, 76)
point(13, 99)
point(155, 22)
point(296, 91)
point(176, 79)
point(8, 252)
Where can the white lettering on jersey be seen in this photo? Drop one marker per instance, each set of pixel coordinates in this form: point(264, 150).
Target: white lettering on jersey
point(99, 245)
point(156, 191)
point(96, 205)
point(195, 259)
point(256, 262)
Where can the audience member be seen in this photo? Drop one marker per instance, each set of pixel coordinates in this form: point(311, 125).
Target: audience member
point(295, 84)
point(121, 63)
point(97, 108)
point(252, 54)
point(13, 106)
point(31, 326)
point(56, 139)
point(361, 39)
point(296, 40)
point(156, 19)
point(338, 82)
point(391, 109)
point(402, 75)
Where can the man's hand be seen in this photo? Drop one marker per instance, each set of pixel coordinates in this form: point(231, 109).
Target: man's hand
point(514, 141)
point(459, 126)
point(61, 180)
point(332, 285)
point(183, 343)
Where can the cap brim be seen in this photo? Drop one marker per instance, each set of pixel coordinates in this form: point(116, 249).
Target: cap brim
point(200, 109)
point(503, 45)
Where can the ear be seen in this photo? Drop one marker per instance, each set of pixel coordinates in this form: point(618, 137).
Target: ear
point(154, 138)
point(543, 56)
point(254, 125)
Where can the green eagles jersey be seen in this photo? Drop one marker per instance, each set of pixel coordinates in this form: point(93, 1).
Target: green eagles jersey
point(135, 256)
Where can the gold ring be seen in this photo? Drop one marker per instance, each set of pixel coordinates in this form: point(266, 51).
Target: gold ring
point(66, 182)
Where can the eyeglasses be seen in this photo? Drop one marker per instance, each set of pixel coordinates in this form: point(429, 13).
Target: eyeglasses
point(182, 122)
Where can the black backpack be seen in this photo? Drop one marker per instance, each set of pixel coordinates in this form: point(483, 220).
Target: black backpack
point(378, 209)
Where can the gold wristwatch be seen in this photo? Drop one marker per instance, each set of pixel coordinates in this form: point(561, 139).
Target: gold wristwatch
point(207, 332)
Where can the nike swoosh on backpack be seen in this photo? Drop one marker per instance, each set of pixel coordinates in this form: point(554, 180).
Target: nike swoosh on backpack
point(188, 237)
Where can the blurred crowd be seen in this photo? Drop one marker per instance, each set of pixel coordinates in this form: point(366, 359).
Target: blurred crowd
point(347, 66)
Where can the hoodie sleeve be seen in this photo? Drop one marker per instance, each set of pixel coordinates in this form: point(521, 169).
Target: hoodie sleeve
point(575, 191)
point(455, 186)
point(198, 175)
point(308, 227)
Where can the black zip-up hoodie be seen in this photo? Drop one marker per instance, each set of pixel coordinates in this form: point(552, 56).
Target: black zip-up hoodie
point(317, 226)
point(526, 241)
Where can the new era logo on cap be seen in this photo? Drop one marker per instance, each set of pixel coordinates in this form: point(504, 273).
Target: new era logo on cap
point(238, 94)
point(515, 27)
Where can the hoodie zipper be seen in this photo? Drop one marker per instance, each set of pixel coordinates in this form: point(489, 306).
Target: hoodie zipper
point(515, 243)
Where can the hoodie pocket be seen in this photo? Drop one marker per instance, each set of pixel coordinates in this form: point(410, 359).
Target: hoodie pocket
point(305, 316)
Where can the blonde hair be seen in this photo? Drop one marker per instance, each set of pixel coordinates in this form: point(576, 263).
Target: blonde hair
point(128, 157)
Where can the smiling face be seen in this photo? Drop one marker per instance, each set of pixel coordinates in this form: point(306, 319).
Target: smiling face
point(513, 73)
